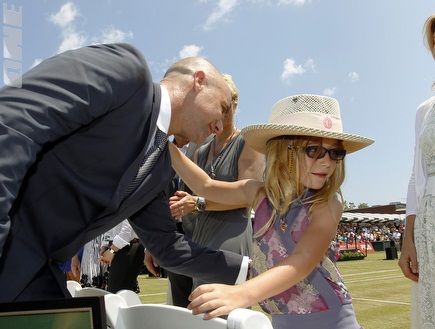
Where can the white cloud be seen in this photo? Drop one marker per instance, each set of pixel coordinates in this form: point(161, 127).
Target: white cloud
point(36, 62)
point(112, 34)
point(65, 16)
point(224, 7)
point(309, 65)
point(161, 67)
point(71, 40)
point(353, 76)
point(292, 2)
point(279, 2)
point(190, 50)
point(291, 68)
point(330, 91)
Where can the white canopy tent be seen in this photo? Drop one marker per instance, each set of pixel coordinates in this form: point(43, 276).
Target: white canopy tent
point(368, 218)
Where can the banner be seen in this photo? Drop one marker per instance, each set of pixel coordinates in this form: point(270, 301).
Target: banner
point(357, 245)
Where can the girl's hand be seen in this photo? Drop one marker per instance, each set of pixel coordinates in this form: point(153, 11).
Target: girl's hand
point(217, 299)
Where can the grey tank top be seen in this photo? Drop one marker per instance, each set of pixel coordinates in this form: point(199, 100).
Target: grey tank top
point(231, 229)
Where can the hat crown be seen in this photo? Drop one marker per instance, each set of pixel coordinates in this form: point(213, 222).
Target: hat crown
point(303, 115)
point(311, 111)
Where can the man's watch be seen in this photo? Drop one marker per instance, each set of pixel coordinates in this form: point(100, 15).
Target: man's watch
point(112, 251)
point(199, 205)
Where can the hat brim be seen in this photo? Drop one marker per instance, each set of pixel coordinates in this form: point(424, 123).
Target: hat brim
point(256, 136)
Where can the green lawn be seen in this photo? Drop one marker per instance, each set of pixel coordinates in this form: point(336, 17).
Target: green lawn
point(379, 290)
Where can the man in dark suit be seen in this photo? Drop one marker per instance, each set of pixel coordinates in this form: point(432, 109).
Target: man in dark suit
point(71, 141)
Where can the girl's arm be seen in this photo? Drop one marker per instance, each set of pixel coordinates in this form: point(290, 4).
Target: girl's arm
point(183, 203)
point(250, 166)
point(239, 193)
point(217, 299)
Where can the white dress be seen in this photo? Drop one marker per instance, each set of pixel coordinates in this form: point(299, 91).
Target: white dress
point(423, 293)
point(93, 273)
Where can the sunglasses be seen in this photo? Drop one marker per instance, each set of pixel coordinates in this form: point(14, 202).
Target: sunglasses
point(318, 152)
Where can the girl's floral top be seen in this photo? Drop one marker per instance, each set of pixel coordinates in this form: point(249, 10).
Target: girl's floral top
point(268, 250)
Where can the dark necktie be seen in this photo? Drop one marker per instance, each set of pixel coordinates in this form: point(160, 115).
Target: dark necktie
point(148, 161)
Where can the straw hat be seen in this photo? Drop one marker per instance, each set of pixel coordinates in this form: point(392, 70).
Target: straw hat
point(303, 115)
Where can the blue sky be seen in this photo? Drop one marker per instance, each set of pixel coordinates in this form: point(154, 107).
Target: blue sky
point(369, 55)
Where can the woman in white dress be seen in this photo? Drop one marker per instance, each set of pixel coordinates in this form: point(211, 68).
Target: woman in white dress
point(417, 259)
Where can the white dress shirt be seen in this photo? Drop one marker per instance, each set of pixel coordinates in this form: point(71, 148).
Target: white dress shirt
point(120, 235)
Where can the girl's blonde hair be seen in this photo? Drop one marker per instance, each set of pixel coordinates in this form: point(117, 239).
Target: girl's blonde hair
point(282, 177)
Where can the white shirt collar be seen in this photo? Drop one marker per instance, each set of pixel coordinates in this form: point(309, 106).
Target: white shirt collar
point(164, 118)
point(183, 149)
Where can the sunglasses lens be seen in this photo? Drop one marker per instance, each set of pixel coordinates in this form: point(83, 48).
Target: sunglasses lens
point(337, 154)
point(313, 152)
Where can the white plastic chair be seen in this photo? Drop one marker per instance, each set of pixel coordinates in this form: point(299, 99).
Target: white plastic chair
point(130, 297)
point(113, 304)
point(158, 316)
point(73, 286)
point(242, 318)
point(91, 291)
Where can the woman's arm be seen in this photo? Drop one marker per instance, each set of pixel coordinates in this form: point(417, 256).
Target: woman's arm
point(408, 256)
point(217, 299)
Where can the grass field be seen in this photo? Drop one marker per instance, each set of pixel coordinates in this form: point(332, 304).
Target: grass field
point(380, 292)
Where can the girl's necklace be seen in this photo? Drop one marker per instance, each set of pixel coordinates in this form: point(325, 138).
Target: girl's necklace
point(283, 223)
point(212, 167)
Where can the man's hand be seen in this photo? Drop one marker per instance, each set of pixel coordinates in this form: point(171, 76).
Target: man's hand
point(75, 266)
point(151, 264)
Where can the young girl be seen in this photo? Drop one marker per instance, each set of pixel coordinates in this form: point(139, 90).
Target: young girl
point(297, 210)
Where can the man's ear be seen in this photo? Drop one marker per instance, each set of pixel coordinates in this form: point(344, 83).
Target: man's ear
point(199, 80)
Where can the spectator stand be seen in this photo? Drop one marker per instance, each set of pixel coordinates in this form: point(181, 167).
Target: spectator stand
point(370, 232)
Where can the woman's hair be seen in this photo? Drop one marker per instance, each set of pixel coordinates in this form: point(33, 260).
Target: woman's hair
point(428, 32)
point(282, 177)
point(234, 91)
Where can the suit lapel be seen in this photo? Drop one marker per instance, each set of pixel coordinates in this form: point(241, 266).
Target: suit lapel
point(132, 170)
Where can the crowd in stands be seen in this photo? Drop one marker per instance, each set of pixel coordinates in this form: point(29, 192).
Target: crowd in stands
point(349, 232)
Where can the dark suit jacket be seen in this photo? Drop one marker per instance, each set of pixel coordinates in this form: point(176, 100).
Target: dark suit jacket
point(188, 221)
point(71, 140)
